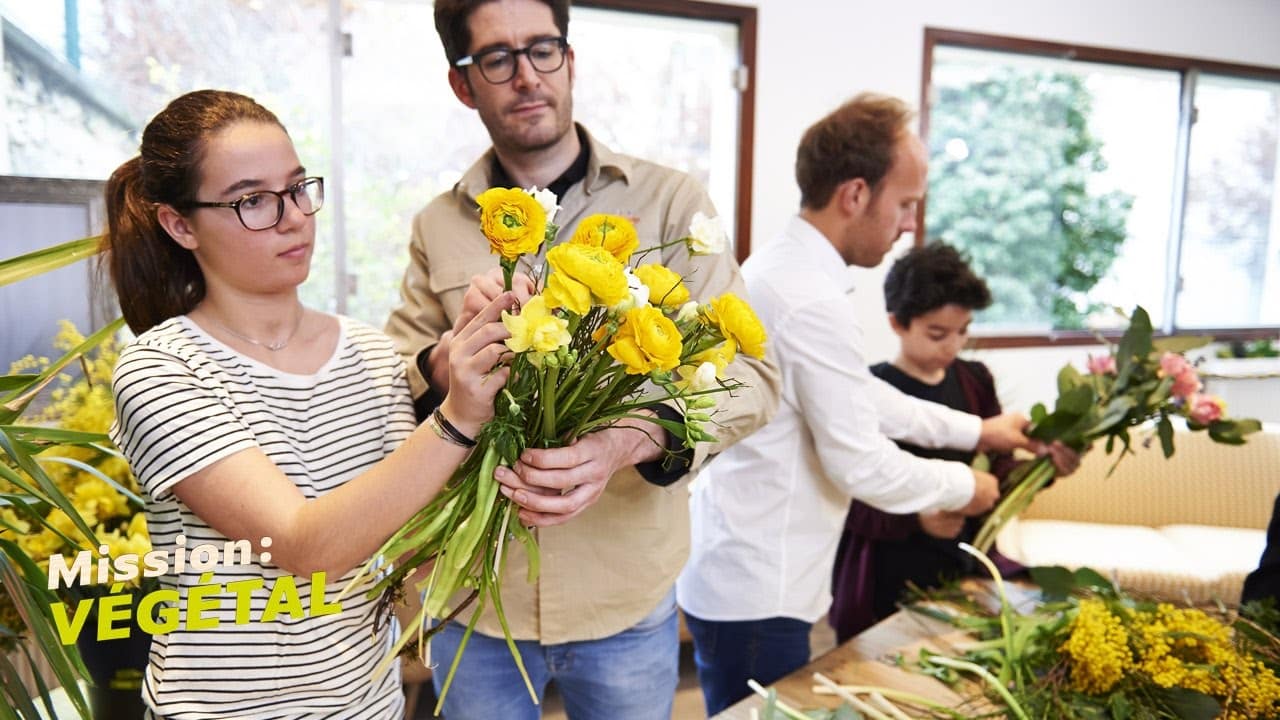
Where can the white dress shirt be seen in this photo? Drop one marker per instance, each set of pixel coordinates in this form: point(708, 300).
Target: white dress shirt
point(767, 513)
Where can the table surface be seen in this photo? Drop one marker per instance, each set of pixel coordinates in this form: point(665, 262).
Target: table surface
point(867, 659)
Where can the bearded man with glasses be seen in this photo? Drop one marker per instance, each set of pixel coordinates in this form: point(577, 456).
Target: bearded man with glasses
point(600, 621)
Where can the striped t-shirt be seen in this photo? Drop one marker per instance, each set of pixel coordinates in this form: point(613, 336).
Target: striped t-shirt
point(184, 401)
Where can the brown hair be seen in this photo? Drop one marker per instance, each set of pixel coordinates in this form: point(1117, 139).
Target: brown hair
point(455, 35)
point(156, 278)
point(856, 140)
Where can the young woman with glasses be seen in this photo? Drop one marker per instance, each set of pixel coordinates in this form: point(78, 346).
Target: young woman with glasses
point(247, 416)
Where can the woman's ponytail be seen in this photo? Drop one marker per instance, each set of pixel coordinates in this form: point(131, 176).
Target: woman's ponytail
point(155, 278)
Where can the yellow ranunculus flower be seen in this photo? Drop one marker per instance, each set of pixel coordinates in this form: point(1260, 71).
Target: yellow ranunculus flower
point(611, 232)
point(581, 274)
point(665, 287)
point(536, 328)
point(512, 220)
point(738, 322)
point(646, 341)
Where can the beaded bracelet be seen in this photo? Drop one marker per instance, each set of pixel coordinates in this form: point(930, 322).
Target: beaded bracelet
point(445, 430)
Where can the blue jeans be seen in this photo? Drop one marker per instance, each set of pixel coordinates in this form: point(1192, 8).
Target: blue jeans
point(628, 676)
point(729, 653)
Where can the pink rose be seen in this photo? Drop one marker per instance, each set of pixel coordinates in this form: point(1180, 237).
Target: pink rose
point(1101, 365)
point(1204, 409)
point(1173, 364)
point(1186, 383)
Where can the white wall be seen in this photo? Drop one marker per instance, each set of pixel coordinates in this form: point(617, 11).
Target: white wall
point(814, 54)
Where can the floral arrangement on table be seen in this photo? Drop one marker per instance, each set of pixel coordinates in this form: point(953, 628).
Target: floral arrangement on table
point(1082, 651)
point(93, 475)
point(604, 337)
point(1139, 387)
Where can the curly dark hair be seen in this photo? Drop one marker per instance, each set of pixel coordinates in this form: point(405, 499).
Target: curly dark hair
point(929, 277)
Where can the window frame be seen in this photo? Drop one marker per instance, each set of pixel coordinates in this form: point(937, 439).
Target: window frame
point(1187, 67)
point(746, 19)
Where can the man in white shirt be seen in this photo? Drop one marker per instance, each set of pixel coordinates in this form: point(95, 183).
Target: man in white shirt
point(767, 513)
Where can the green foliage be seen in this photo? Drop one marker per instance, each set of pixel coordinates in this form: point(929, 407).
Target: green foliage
point(1021, 203)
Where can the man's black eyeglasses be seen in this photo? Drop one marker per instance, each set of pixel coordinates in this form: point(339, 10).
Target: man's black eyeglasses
point(263, 209)
point(499, 64)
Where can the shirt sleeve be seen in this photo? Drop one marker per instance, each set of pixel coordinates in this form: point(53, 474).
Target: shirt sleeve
point(170, 423)
point(844, 407)
point(923, 423)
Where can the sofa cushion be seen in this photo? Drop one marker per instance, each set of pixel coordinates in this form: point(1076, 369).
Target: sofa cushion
point(1179, 563)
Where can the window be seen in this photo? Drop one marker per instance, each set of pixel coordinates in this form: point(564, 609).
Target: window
point(1083, 179)
point(658, 80)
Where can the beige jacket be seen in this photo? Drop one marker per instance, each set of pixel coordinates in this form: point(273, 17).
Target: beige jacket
point(609, 567)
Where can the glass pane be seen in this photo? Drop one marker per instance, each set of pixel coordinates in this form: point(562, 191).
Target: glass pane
point(76, 110)
point(1056, 177)
point(657, 88)
point(1231, 234)
point(661, 88)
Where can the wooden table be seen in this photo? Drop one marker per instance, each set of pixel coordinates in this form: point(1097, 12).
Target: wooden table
point(867, 660)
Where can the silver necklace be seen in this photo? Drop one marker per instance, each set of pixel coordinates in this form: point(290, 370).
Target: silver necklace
point(271, 346)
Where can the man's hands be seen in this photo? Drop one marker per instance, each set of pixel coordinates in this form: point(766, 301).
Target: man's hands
point(552, 486)
point(944, 524)
point(483, 289)
point(1005, 432)
point(986, 491)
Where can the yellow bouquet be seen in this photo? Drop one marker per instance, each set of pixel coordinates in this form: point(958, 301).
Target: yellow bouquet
point(605, 337)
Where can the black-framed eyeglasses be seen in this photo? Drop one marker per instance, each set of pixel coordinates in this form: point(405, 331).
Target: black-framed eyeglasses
point(262, 210)
point(499, 64)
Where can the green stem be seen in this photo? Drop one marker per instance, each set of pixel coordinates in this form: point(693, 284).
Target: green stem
point(986, 677)
point(1006, 622)
point(1015, 502)
point(549, 378)
point(901, 696)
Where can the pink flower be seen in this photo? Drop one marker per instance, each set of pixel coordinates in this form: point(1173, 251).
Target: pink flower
point(1173, 364)
point(1185, 379)
point(1204, 408)
point(1187, 383)
point(1101, 365)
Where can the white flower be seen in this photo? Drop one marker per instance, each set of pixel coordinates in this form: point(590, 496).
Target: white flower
point(704, 378)
point(688, 312)
point(639, 293)
point(546, 199)
point(707, 235)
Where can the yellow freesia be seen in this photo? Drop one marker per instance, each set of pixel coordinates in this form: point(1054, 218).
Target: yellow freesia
point(614, 233)
point(646, 341)
point(581, 275)
point(665, 286)
point(512, 220)
point(738, 322)
point(536, 328)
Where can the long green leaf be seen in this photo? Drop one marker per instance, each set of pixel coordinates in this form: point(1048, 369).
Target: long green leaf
point(44, 260)
point(28, 590)
point(86, 467)
point(15, 690)
point(49, 488)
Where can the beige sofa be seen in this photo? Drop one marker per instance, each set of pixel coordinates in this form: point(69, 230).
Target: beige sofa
point(1186, 529)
